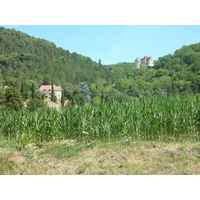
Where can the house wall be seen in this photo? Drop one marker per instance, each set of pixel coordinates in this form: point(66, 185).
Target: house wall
point(58, 94)
point(138, 64)
point(151, 63)
point(143, 64)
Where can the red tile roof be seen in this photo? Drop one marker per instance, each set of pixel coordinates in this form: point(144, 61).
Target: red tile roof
point(47, 88)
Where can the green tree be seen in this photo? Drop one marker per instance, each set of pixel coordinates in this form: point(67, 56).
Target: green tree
point(68, 89)
point(79, 99)
point(62, 99)
point(109, 94)
point(161, 72)
point(53, 97)
point(85, 90)
point(34, 104)
point(102, 97)
point(13, 98)
point(2, 98)
point(100, 63)
point(33, 91)
point(39, 94)
point(24, 90)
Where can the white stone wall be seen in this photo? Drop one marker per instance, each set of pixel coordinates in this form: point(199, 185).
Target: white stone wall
point(143, 64)
point(151, 63)
point(58, 94)
point(137, 63)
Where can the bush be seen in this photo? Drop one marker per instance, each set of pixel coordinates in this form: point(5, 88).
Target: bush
point(33, 104)
point(13, 98)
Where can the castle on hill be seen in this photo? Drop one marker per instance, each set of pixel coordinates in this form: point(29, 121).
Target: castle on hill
point(144, 62)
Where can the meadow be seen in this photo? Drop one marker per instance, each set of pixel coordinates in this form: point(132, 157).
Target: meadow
point(147, 119)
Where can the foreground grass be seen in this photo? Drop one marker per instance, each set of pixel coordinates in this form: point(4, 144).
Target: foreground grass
point(101, 158)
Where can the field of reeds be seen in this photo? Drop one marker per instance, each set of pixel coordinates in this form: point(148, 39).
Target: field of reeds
point(158, 118)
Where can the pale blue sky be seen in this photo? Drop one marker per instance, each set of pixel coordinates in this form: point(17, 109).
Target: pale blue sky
point(116, 43)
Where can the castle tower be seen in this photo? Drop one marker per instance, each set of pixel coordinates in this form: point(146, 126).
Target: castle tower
point(137, 63)
point(150, 62)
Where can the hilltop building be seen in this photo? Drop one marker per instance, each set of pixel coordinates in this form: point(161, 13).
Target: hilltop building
point(46, 90)
point(144, 62)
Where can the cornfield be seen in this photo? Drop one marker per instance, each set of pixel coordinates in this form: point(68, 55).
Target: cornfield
point(163, 118)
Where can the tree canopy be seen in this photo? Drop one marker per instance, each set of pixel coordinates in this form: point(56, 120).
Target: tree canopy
point(14, 100)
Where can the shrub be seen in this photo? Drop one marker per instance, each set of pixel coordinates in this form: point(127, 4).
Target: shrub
point(13, 98)
point(33, 104)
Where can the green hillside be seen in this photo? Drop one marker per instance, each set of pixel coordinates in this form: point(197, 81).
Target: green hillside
point(27, 58)
point(172, 74)
point(38, 61)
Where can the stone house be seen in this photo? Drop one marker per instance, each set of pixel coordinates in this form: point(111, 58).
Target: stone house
point(46, 90)
point(144, 62)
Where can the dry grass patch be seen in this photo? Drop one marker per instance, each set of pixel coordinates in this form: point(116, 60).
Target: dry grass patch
point(120, 158)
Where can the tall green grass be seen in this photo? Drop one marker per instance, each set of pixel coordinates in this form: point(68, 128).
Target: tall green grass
point(163, 118)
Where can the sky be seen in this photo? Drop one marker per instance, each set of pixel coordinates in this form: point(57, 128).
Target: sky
point(116, 43)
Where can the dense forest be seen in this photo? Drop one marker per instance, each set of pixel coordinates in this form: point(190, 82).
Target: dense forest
point(32, 61)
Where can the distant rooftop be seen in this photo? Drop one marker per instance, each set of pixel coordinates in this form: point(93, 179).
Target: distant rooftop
point(47, 88)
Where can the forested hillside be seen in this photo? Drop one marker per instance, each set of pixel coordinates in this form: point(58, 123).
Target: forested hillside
point(38, 61)
point(27, 58)
point(172, 74)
